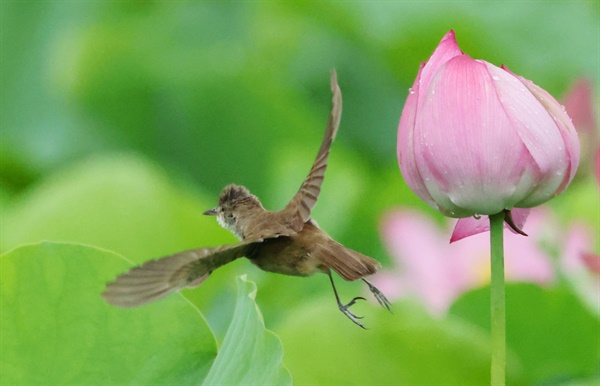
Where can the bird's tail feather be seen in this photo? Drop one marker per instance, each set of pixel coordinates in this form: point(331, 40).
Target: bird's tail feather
point(347, 263)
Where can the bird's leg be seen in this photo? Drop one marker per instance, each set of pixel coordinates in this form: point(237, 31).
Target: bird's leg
point(344, 308)
point(378, 295)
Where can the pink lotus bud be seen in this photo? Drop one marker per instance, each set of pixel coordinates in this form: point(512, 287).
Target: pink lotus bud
point(477, 139)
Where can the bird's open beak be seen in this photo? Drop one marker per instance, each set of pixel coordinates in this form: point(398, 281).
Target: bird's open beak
point(211, 212)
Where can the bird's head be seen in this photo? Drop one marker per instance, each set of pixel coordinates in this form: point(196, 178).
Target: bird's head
point(236, 204)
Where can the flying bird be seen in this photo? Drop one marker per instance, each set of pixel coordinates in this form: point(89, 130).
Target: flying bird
point(288, 241)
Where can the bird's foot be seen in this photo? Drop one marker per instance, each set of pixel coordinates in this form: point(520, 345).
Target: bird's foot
point(349, 314)
point(379, 296)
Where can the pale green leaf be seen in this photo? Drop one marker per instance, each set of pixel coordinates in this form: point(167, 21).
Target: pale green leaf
point(251, 354)
point(57, 330)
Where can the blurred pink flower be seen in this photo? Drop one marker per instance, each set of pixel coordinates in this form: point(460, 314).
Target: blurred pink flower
point(579, 102)
point(598, 165)
point(435, 272)
point(477, 139)
point(578, 240)
point(591, 262)
point(581, 267)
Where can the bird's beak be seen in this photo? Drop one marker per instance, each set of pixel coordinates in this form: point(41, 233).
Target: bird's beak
point(211, 212)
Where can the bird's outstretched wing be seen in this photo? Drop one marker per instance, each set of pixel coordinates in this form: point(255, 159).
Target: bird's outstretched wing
point(156, 279)
point(297, 211)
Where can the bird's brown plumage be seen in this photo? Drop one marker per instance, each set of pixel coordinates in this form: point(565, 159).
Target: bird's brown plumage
point(286, 242)
point(156, 279)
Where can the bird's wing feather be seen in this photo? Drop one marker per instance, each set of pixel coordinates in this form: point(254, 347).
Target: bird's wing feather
point(298, 209)
point(158, 278)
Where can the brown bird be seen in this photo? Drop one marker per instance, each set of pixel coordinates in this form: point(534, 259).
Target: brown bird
point(288, 242)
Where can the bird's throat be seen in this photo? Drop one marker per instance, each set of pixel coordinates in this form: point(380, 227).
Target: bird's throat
point(231, 227)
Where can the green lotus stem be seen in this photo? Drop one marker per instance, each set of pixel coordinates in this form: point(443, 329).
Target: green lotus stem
point(498, 324)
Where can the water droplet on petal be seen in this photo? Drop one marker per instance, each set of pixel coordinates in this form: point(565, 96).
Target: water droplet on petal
point(495, 77)
point(476, 216)
point(411, 91)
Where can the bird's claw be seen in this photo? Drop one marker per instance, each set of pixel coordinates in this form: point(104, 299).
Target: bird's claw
point(379, 296)
point(354, 301)
point(354, 318)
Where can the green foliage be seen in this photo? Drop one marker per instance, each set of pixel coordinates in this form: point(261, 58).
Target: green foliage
point(121, 203)
point(249, 354)
point(580, 206)
point(550, 330)
point(56, 329)
point(407, 347)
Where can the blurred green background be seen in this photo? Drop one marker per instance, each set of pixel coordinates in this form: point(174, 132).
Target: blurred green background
point(122, 120)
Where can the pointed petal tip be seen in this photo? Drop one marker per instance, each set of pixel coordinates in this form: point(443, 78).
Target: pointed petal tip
point(516, 218)
point(453, 238)
point(450, 39)
point(450, 35)
point(469, 226)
